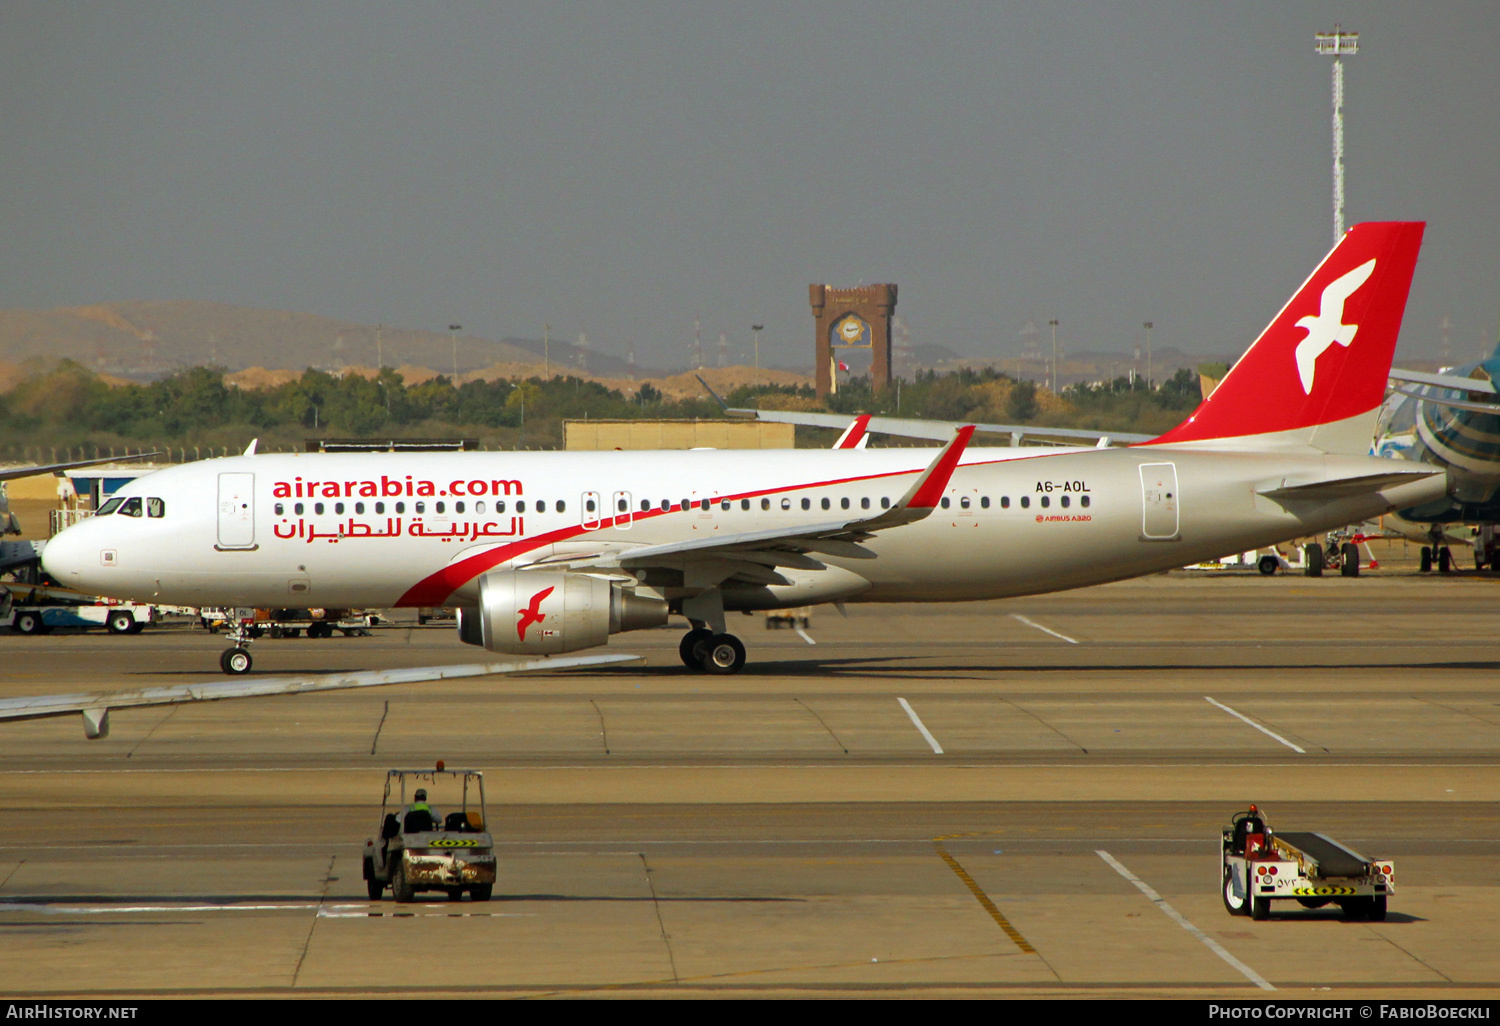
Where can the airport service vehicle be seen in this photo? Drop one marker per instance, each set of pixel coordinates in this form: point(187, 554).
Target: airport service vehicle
point(1260, 866)
point(553, 552)
point(422, 849)
point(29, 617)
point(289, 623)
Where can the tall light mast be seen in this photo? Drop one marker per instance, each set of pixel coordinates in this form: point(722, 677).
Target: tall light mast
point(1336, 44)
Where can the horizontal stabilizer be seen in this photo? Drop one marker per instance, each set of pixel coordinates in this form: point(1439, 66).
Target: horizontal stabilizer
point(1342, 487)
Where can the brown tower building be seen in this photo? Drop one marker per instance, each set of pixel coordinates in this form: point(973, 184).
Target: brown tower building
point(852, 319)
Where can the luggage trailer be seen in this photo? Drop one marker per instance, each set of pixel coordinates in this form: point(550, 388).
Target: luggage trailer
point(1261, 865)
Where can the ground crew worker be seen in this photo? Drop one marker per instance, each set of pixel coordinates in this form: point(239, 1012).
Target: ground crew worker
point(419, 804)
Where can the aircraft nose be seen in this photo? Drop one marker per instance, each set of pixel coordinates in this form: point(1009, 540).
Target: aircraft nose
point(63, 557)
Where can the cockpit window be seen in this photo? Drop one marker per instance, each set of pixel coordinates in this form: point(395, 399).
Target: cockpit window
point(109, 507)
point(156, 508)
point(131, 507)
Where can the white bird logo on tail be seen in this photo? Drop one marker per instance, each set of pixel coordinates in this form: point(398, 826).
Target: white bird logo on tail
point(1329, 327)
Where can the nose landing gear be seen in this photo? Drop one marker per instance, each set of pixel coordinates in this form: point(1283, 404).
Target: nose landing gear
point(236, 660)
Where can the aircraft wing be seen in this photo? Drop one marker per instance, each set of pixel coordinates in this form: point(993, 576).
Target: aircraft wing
point(1442, 381)
point(942, 429)
point(1456, 404)
point(13, 473)
point(95, 707)
point(782, 546)
point(939, 430)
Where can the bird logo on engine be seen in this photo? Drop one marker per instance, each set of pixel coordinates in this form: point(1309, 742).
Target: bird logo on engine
point(530, 614)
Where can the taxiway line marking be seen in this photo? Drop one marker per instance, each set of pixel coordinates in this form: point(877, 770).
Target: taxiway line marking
point(921, 726)
point(1047, 630)
point(1181, 920)
point(1257, 726)
point(988, 905)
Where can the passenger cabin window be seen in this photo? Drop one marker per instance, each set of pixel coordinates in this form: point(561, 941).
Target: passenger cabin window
point(1065, 502)
point(844, 502)
point(318, 508)
point(964, 502)
point(338, 507)
point(280, 510)
point(1005, 502)
point(1084, 501)
point(622, 505)
point(441, 507)
point(984, 502)
point(1046, 501)
point(885, 503)
point(562, 507)
point(807, 504)
point(825, 503)
point(131, 507)
point(744, 504)
point(297, 509)
point(765, 503)
point(947, 502)
point(703, 504)
point(864, 503)
point(109, 507)
point(421, 507)
point(666, 505)
point(786, 503)
point(380, 507)
point(645, 505)
point(588, 505)
point(400, 507)
point(458, 507)
point(1025, 502)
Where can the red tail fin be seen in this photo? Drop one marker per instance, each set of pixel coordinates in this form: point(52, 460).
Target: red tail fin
point(1323, 360)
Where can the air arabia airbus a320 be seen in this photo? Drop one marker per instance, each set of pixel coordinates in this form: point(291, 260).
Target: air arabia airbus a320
point(553, 552)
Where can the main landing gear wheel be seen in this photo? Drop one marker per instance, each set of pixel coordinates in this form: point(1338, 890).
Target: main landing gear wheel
point(1425, 560)
point(1312, 555)
point(235, 661)
point(1349, 560)
point(692, 646)
point(724, 654)
point(1445, 560)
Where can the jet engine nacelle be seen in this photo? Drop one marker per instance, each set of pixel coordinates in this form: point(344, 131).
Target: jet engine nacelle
point(546, 612)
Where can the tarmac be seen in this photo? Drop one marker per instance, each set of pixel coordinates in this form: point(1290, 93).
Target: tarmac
point(1007, 799)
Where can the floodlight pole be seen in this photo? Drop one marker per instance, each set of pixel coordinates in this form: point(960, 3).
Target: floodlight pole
point(1053, 323)
point(453, 330)
point(1336, 44)
point(756, 328)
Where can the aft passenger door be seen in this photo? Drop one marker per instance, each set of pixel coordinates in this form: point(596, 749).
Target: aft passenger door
point(1159, 519)
point(236, 511)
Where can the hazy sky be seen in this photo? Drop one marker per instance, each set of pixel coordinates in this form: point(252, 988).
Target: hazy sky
point(622, 168)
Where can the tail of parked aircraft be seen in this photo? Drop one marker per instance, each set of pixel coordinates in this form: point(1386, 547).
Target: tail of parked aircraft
point(1316, 376)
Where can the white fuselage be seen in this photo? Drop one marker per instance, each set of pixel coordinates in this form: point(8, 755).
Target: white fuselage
point(418, 529)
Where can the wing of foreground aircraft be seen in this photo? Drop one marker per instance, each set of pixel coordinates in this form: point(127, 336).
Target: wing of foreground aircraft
point(95, 707)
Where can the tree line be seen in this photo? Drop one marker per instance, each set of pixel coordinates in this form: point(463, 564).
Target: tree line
point(69, 406)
